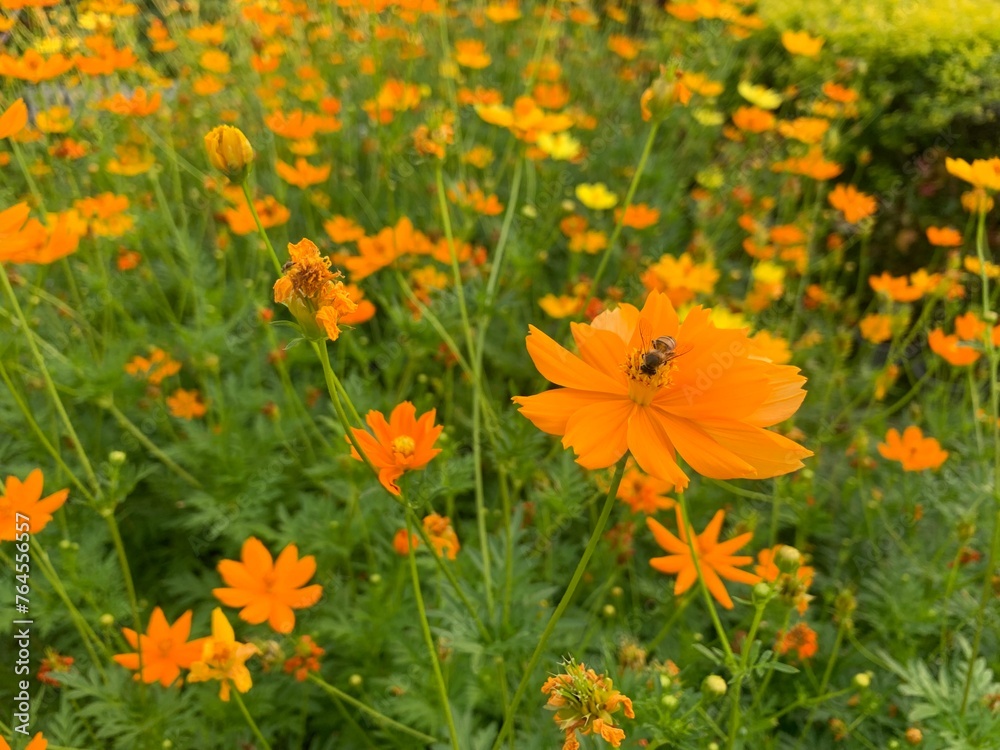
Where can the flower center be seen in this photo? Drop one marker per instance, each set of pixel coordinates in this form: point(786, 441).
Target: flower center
point(309, 276)
point(404, 445)
point(647, 371)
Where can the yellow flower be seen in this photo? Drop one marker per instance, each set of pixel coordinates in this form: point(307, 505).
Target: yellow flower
point(596, 196)
point(981, 173)
point(230, 152)
point(759, 96)
point(559, 146)
point(223, 658)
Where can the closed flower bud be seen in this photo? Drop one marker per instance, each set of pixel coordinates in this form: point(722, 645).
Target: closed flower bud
point(788, 559)
point(713, 687)
point(107, 620)
point(117, 458)
point(914, 736)
point(761, 593)
point(669, 702)
point(862, 680)
point(355, 680)
point(230, 152)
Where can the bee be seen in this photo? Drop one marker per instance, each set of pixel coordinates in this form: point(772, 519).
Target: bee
point(662, 350)
point(288, 266)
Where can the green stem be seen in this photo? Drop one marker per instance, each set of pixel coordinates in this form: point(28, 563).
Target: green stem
point(706, 595)
point(148, 444)
point(993, 358)
point(379, 718)
point(567, 597)
point(428, 638)
point(253, 725)
point(50, 385)
point(260, 229)
point(640, 167)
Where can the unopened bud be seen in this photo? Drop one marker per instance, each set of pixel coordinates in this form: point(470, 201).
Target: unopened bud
point(713, 687)
point(788, 559)
point(862, 680)
point(230, 152)
point(914, 736)
point(117, 458)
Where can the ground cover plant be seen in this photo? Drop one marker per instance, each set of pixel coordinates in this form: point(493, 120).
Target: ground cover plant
point(481, 375)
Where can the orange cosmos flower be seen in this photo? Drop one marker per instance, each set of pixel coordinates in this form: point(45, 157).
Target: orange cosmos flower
point(185, 404)
point(223, 658)
point(912, 450)
point(854, 204)
point(342, 229)
point(753, 119)
point(953, 351)
point(14, 118)
point(38, 742)
point(303, 174)
point(981, 173)
point(402, 444)
point(944, 236)
point(313, 293)
point(159, 366)
point(267, 589)
point(801, 639)
point(165, 649)
point(32, 67)
point(21, 501)
point(471, 53)
point(442, 535)
point(793, 585)
point(526, 120)
point(644, 494)
point(586, 702)
point(709, 400)
point(271, 213)
point(804, 129)
point(638, 216)
point(801, 43)
point(813, 165)
point(24, 240)
point(715, 559)
point(306, 659)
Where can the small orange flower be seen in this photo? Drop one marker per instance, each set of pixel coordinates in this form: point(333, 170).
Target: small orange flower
point(223, 658)
point(644, 494)
point(306, 659)
point(21, 502)
point(711, 403)
point(912, 450)
point(801, 639)
point(164, 648)
point(638, 216)
point(38, 742)
point(186, 404)
point(944, 236)
point(303, 174)
point(402, 444)
point(854, 204)
point(401, 546)
point(586, 702)
point(313, 293)
point(268, 589)
point(981, 173)
point(953, 351)
point(471, 53)
point(715, 559)
point(754, 119)
point(442, 535)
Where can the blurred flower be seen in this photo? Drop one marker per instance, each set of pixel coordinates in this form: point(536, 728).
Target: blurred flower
point(944, 236)
point(638, 216)
point(981, 173)
point(402, 444)
point(643, 493)
point(164, 649)
point(759, 96)
point(223, 658)
point(753, 119)
point(442, 535)
point(801, 639)
point(953, 351)
point(912, 450)
point(802, 43)
point(586, 702)
point(303, 174)
point(13, 119)
point(595, 196)
point(53, 663)
point(715, 560)
point(306, 658)
point(471, 53)
point(268, 589)
point(186, 404)
point(850, 201)
point(21, 501)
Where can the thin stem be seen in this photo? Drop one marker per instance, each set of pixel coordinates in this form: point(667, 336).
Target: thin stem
point(721, 631)
point(567, 597)
point(379, 718)
point(428, 638)
point(640, 167)
point(253, 725)
point(260, 229)
point(148, 444)
point(50, 385)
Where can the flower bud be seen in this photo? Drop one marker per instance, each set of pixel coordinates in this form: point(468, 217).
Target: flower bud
point(761, 593)
point(862, 680)
point(788, 559)
point(230, 152)
point(669, 701)
point(662, 94)
point(713, 687)
point(116, 458)
point(355, 680)
point(914, 736)
point(107, 620)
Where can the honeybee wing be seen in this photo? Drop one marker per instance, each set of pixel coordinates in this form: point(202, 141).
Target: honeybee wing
point(645, 333)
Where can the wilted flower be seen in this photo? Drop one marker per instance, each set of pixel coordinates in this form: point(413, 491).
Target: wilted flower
point(313, 293)
point(586, 702)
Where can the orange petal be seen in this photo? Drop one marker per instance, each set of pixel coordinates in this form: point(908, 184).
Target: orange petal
point(652, 449)
point(559, 366)
point(551, 410)
point(598, 433)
